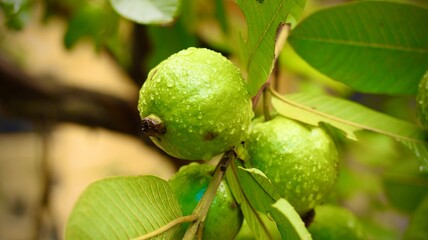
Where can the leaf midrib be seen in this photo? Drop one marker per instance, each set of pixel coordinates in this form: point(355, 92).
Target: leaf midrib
point(362, 44)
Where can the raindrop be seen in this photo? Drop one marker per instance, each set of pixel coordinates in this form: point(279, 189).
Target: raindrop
point(170, 84)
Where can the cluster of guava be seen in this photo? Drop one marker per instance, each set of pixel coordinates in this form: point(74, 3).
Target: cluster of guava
point(195, 105)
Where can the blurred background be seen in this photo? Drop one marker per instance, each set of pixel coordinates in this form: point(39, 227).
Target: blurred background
point(70, 72)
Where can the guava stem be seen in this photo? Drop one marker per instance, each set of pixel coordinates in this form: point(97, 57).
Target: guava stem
point(189, 218)
point(153, 126)
point(266, 110)
point(204, 204)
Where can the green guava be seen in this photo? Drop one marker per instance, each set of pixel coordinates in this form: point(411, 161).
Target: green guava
point(300, 160)
point(195, 105)
point(224, 217)
point(332, 222)
point(422, 101)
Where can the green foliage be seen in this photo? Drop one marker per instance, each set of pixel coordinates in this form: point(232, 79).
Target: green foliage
point(124, 208)
point(147, 11)
point(96, 22)
point(405, 186)
point(351, 117)
point(16, 12)
point(256, 194)
point(289, 222)
point(263, 19)
point(422, 101)
point(374, 47)
point(418, 227)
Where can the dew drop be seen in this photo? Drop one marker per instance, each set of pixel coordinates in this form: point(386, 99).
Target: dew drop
point(170, 84)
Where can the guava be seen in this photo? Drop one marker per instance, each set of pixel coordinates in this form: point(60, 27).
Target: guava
point(422, 101)
point(300, 160)
point(195, 105)
point(333, 222)
point(224, 217)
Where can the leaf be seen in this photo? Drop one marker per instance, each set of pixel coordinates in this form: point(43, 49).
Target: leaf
point(261, 195)
point(252, 217)
point(374, 47)
point(418, 226)
point(91, 21)
point(147, 11)
point(16, 12)
point(291, 225)
point(405, 186)
point(263, 19)
point(124, 208)
point(351, 117)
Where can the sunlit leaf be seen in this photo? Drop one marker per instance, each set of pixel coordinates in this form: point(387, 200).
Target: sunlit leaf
point(350, 117)
point(124, 208)
point(263, 19)
point(290, 224)
point(147, 11)
point(372, 46)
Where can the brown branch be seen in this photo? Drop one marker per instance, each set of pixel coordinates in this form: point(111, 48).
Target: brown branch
point(33, 98)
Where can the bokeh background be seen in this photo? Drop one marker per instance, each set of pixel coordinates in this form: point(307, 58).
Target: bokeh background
point(70, 72)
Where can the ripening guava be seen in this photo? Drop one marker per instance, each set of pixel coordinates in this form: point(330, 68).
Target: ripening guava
point(224, 217)
point(333, 222)
point(300, 160)
point(195, 105)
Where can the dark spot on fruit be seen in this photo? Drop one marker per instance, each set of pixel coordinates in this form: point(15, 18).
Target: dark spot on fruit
point(153, 127)
point(210, 136)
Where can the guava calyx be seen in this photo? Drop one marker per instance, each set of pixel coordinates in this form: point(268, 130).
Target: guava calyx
point(153, 126)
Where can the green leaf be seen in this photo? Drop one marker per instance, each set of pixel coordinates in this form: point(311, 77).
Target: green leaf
point(262, 195)
point(251, 215)
point(17, 12)
point(405, 186)
point(91, 21)
point(374, 47)
point(351, 117)
point(163, 47)
point(263, 19)
point(418, 226)
point(289, 222)
point(124, 208)
point(147, 11)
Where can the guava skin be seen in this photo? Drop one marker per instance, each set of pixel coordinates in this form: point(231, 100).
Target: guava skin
point(224, 218)
point(335, 223)
point(300, 160)
point(202, 101)
point(422, 101)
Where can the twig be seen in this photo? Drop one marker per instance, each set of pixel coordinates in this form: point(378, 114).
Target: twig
point(189, 218)
point(204, 204)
